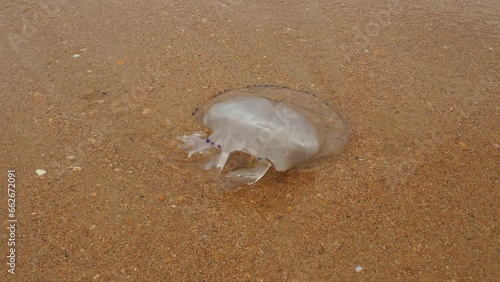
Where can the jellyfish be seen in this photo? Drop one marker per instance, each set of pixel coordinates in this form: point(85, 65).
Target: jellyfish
point(276, 126)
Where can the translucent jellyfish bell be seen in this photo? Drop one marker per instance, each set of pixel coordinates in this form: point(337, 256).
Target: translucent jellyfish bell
point(279, 127)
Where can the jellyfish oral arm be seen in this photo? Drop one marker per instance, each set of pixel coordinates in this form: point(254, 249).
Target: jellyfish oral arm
point(218, 161)
point(251, 175)
point(196, 143)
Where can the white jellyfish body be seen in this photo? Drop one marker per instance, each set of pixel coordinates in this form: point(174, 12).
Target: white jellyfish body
point(275, 125)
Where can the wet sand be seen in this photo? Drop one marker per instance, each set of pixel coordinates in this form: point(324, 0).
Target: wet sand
point(107, 87)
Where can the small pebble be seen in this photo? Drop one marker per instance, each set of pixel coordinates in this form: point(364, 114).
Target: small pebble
point(162, 198)
point(70, 157)
point(146, 111)
point(180, 200)
point(41, 172)
point(463, 145)
point(358, 268)
point(76, 56)
point(77, 168)
point(172, 166)
point(92, 227)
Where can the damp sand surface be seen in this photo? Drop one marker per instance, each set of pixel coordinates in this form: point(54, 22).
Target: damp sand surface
point(94, 94)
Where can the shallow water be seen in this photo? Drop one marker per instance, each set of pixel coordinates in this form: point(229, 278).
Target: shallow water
point(413, 197)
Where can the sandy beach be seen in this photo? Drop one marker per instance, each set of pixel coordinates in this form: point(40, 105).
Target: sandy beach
point(95, 93)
